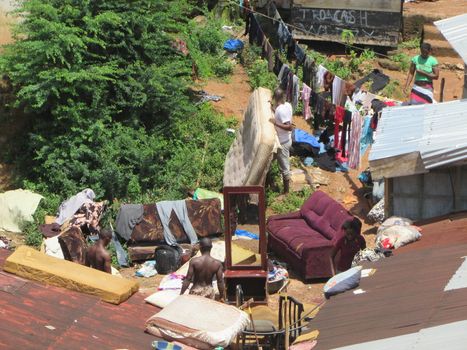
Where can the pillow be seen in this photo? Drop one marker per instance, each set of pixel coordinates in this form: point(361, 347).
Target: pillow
point(343, 281)
point(162, 298)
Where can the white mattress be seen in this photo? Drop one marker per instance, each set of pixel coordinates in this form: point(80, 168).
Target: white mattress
point(252, 151)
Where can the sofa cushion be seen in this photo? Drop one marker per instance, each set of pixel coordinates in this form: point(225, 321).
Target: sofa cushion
point(297, 234)
point(324, 214)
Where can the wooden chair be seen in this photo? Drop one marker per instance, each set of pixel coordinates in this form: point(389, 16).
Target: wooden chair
point(271, 336)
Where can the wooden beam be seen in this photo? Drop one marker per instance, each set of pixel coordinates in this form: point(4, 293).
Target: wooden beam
point(371, 5)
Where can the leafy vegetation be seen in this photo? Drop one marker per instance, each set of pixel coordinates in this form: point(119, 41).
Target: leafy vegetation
point(413, 43)
point(402, 59)
point(291, 202)
point(109, 94)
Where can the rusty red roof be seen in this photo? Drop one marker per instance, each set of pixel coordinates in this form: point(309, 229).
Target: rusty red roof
point(37, 316)
point(407, 292)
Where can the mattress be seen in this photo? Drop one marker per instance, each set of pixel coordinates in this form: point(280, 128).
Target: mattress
point(31, 264)
point(195, 320)
point(252, 151)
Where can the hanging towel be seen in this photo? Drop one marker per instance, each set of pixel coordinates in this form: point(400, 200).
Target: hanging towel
point(354, 144)
point(338, 119)
point(306, 92)
point(338, 87)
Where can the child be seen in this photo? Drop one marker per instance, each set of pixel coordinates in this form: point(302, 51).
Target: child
point(348, 246)
point(97, 256)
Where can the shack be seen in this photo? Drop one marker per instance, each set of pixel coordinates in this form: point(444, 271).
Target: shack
point(454, 30)
point(372, 22)
point(421, 152)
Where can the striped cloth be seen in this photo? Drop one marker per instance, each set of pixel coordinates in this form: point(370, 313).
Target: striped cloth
point(354, 142)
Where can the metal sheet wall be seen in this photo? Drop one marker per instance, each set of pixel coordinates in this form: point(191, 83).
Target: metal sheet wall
point(439, 192)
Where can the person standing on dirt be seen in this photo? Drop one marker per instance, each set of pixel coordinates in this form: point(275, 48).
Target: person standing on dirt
point(425, 68)
point(97, 255)
point(283, 123)
point(202, 271)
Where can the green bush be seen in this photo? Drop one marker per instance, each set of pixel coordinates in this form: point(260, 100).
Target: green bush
point(260, 76)
point(109, 96)
point(403, 60)
point(291, 202)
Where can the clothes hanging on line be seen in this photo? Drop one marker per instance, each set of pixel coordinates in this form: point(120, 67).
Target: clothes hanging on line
point(338, 89)
point(253, 30)
point(295, 92)
point(277, 65)
point(269, 51)
point(289, 89)
point(354, 142)
point(306, 94)
point(284, 77)
point(283, 35)
point(309, 73)
point(338, 119)
point(320, 76)
point(346, 132)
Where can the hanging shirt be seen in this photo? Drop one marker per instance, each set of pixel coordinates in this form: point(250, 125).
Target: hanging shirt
point(338, 87)
point(320, 76)
point(283, 115)
point(308, 71)
point(306, 93)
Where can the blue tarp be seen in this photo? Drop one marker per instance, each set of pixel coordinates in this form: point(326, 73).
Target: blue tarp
point(233, 45)
point(304, 137)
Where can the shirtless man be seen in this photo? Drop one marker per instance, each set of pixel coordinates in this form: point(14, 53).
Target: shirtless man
point(201, 272)
point(97, 256)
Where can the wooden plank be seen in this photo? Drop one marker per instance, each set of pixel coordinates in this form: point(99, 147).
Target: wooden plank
point(372, 5)
point(403, 165)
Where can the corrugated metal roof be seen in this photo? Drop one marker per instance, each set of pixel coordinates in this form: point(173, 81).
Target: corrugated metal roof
point(406, 296)
point(438, 132)
point(454, 30)
point(74, 320)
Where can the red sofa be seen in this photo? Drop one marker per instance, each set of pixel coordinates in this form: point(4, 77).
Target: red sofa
point(304, 238)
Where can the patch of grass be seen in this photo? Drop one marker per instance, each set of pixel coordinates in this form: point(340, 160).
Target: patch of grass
point(393, 89)
point(410, 44)
point(290, 202)
point(403, 60)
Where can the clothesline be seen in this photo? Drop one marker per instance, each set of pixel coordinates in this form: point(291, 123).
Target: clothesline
point(301, 29)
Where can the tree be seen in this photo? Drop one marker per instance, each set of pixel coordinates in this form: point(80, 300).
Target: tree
point(108, 96)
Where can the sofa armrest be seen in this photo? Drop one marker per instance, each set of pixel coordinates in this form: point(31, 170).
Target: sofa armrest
point(292, 215)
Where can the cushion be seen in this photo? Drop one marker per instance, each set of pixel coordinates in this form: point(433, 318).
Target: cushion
point(343, 281)
point(29, 263)
point(251, 153)
point(324, 214)
point(261, 326)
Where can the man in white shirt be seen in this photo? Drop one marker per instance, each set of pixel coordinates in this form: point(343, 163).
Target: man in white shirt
point(283, 123)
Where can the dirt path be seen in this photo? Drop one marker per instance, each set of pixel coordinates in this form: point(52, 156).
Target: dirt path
point(235, 93)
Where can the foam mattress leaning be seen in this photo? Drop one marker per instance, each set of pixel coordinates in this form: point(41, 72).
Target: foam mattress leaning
point(252, 151)
point(29, 263)
point(199, 322)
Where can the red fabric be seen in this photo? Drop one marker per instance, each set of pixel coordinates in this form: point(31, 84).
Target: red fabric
point(347, 250)
point(390, 103)
point(338, 119)
point(305, 238)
